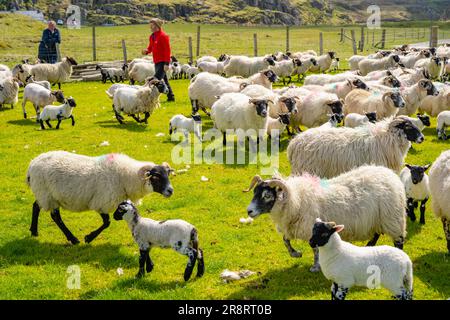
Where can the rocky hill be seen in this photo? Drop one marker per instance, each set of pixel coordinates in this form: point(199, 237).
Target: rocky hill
point(288, 12)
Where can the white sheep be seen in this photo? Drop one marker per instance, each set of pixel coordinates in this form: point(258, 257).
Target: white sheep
point(330, 152)
point(433, 105)
point(368, 65)
point(306, 64)
point(54, 73)
point(9, 92)
point(285, 68)
point(322, 79)
point(44, 83)
point(414, 95)
point(341, 89)
point(335, 65)
point(276, 126)
point(439, 181)
point(143, 100)
point(39, 97)
point(324, 62)
point(348, 265)
point(179, 235)
point(22, 72)
point(237, 111)
point(384, 104)
point(417, 189)
point(212, 67)
point(192, 72)
point(353, 120)
point(206, 59)
point(81, 183)
point(443, 121)
point(411, 59)
point(59, 113)
point(246, 66)
point(432, 65)
point(370, 200)
point(141, 71)
point(421, 121)
point(180, 122)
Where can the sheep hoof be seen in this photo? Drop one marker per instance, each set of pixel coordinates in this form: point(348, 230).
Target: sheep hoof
point(139, 275)
point(296, 254)
point(315, 268)
point(24, 115)
point(74, 241)
point(88, 238)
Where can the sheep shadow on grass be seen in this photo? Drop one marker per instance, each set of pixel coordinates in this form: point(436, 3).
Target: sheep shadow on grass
point(127, 125)
point(25, 122)
point(433, 269)
point(31, 251)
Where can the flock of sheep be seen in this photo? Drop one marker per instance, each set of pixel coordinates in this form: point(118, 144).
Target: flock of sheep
point(351, 176)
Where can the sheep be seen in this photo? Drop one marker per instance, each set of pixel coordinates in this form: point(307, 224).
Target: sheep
point(145, 59)
point(353, 120)
point(417, 189)
point(275, 126)
point(238, 111)
point(370, 200)
point(212, 67)
point(443, 121)
point(176, 70)
point(177, 234)
point(328, 153)
point(348, 265)
point(333, 122)
point(322, 79)
point(368, 65)
point(180, 122)
point(192, 72)
point(384, 104)
point(9, 92)
point(414, 94)
point(383, 84)
point(306, 64)
point(439, 181)
point(433, 105)
point(40, 97)
point(5, 72)
point(354, 60)
point(206, 59)
point(284, 69)
point(184, 69)
point(245, 66)
point(324, 62)
point(54, 73)
point(141, 71)
point(411, 59)
point(143, 100)
point(112, 90)
point(411, 78)
point(22, 72)
point(432, 65)
point(421, 121)
point(44, 83)
point(60, 179)
point(59, 113)
point(108, 74)
point(341, 89)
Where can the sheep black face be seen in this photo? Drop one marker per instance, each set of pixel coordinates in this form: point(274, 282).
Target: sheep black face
point(159, 180)
point(261, 106)
point(337, 117)
point(72, 61)
point(432, 51)
point(285, 118)
point(290, 104)
point(222, 57)
point(124, 208)
point(424, 119)
point(396, 58)
point(297, 62)
point(322, 231)
point(270, 61)
point(392, 81)
point(160, 85)
point(411, 132)
point(59, 96)
point(372, 116)
point(429, 86)
point(360, 84)
point(397, 99)
point(270, 75)
point(336, 106)
point(332, 54)
point(437, 60)
point(417, 172)
point(313, 61)
point(196, 117)
point(264, 198)
point(71, 102)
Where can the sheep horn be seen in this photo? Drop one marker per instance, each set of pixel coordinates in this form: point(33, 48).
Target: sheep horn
point(256, 180)
point(278, 183)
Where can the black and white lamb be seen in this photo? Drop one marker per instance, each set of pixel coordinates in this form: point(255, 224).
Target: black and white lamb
point(417, 189)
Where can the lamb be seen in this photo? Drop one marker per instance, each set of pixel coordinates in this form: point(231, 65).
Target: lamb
point(54, 73)
point(328, 153)
point(353, 120)
point(9, 92)
point(44, 83)
point(117, 74)
point(414, 94)
point(59, 113)
point(443, 121)
point(141, 71)
point(192, 72)
point(145, 59)
point(40, 97)
point(324, 62)
point(384, 84)
point(184, 69)
point(385, 105)
point(439, 181)
point(180, 122)
point(322, 79)
point(284, 69)
point(238, 111)
point(354, 60)
point(22, 72)
point(276, 126)
point(81, 183)
point(296, 201)
point(433, 105)
point(212, 67)
point(306, 64)
point(411, 78)
point(177, 234)
point(432, 65)
point(176, 70)
point(333, 122)
point(421, 121)
point(417, 189)
point(348, 265)
point(143, 100)
point(341, 89)
point(368, 65)
point(335, 65)
point(245, 66)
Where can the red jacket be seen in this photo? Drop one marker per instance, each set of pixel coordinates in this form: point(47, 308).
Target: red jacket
point(160, 47)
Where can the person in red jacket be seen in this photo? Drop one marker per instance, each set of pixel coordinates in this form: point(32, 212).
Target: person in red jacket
point(159, 46)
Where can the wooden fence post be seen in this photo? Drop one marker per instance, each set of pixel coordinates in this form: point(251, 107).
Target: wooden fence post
point(361, 45)
point(373, 38)
point(354, 42)
point(321, 43)
point(434, 36)
point(58, 53)
point(383, 38)
point(191, 58)
point(124, 49)
point(342, 35)
point(255, 45)
point(198, 41)
point(287, 38)
point(94, 45)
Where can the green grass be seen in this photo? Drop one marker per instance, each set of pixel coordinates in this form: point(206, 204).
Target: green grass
point(35, 268)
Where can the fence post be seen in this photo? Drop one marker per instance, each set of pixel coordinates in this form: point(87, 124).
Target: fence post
point(373, 38)
point(354, 42)
point(198, 41)
point(255, 45)
point(124, 49)
point(94, 45)
point(434, 36)
point(383, 38)
point(361, 46)
point(58, 53)
point(342, 35)
point(191, 58)
point(287, 38)
point(321, 43)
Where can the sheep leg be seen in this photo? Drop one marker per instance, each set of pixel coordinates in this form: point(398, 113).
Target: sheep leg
point(422, 211)
point(34, 219)
point(73, 120)
point(142, 260)
point(205, 111)
point(49, 124)
point(338, 292)
point(290, 80)
point(56, 216)
point(148, 263)
point(146, 116)
point(91, 236)
point(446, 225)
point(42, 124)
point(24, 102)
point(292, 252)
point(224, 139)
point(118, 116)
point(192, 254)
point(136, 118)
point(59, 86)
point(316, 266)
point(200, 261)
point(374, 240)
point(410, 204)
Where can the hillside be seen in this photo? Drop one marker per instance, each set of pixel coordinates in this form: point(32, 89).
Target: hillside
point(288, 12)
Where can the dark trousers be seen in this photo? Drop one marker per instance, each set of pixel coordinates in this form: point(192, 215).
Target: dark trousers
point(161, 74)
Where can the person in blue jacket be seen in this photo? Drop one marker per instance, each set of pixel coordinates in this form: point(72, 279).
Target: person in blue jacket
point(47, 47)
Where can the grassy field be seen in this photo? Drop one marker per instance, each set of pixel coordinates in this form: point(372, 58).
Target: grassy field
point(36, 268)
